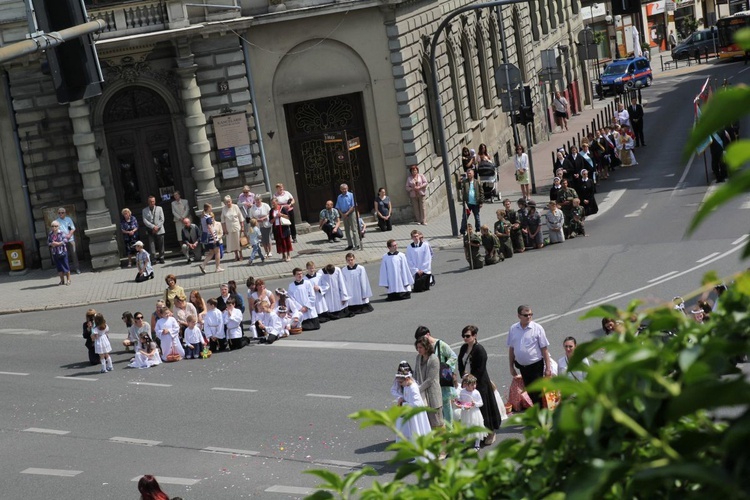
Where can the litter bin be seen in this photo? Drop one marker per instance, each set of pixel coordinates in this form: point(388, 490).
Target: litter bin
point(14, 253)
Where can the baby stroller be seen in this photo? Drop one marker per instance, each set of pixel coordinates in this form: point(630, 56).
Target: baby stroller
point(487, 174)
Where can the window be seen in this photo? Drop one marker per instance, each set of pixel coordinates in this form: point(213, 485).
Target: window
point(469, 79)
point(456, 89)
point(428, 94)
point(482, 59)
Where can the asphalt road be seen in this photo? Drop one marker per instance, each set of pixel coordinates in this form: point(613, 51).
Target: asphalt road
point(247, 423)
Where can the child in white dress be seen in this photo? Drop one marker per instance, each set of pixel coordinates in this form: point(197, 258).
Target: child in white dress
point(406, 390)
point(470, 401)
point(146, 355)
point(194, 340)
point(101, 342)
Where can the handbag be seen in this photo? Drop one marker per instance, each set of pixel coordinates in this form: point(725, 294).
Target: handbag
point(423, 283)
point(295, 330)
point(517, 395)
point(173, 356)
point(244, 243)
point(446, 373)
point(285, 222)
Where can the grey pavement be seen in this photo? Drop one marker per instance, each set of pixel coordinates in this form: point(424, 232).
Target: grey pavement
point(38, 290)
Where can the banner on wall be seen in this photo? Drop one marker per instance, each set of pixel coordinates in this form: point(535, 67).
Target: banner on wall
point(655, 8)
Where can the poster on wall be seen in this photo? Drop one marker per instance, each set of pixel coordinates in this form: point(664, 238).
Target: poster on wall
point(231, 131)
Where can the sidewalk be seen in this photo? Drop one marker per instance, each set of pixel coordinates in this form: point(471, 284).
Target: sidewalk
point(38, 289)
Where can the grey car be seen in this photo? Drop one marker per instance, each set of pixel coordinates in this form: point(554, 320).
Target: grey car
point(697, 44)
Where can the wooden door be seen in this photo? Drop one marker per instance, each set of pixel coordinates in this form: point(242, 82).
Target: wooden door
point(320, 168)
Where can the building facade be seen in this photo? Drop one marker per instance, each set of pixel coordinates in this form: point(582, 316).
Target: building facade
point(204, 100)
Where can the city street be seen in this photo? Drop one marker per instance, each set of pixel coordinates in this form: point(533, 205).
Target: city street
point(248, 423)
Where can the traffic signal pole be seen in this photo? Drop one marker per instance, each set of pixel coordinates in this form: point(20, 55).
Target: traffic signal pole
point(44, 41)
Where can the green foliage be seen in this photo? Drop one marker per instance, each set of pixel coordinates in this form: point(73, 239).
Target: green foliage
point(649, 421)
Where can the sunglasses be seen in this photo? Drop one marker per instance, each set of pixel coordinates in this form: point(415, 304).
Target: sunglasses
point(526, 315)
point(138, 317)
point(466, 336)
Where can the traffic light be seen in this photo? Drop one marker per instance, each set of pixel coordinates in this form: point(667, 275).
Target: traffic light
point(525, 115)
point(74, 65)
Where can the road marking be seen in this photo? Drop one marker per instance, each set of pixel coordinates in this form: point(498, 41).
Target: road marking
point(609, 201)
point(348, 465)
point(745, 205)
point(230, 451)
point(662, 276)
point(630, 179)
point(181, 481)
point(358, 346)
point(669, 175)
point(605, 298)
point(638, 212)
point(52, 472)
point(328, 396)
point(150, 384)
point(14, 373)
point(709, 191)
point(140, 442)
point(232, 389)
point(289, 490)
point(681, 182)
point(707, 257)
point(85, 379)
point(22, 331)
point(39, 430)
point(741, 239)
point(549, 316)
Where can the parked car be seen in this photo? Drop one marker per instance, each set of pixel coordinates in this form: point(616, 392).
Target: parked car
point(697, 44)
point(624, 74)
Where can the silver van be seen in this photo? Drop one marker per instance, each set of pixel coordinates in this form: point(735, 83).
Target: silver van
point(697, 44)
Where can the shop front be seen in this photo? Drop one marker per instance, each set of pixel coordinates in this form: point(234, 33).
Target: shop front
point(656, 33)
point(684, 17)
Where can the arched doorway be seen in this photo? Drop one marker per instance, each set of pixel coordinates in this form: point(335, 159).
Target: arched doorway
point(141, 150)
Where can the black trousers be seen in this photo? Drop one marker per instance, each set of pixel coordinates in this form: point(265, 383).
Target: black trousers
point(384, 224)
point(638, 131)
point(328, 229)
point(530, 373)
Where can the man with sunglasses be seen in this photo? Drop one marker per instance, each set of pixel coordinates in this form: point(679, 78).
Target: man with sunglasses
point(528, 350)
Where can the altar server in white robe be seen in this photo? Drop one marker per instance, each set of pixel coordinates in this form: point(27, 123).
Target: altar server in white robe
point(358, 285)
point(232, 317)
point(266, 321)
point(394, 274)
point(313, 276)
point(419, 254)
point(304, 294)
point(169, 333)
point(337, 296)
point(213, 327)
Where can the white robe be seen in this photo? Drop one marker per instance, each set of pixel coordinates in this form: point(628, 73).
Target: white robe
point(394, 273)
point(170, 341)
point(213, 324)
point(304, 295)
point(419, 258)
point(418, 425)
point(233, 322)
point(321, 305)
point(337, 295)
point(271, 321)
point(357, 284)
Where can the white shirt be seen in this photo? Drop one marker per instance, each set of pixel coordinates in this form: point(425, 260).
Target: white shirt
point(527, 343)
point(213, 324)
point(562, 367)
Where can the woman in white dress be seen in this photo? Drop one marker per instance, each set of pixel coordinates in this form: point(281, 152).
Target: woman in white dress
point(406, 392)
point(469, 400)
point(147, 355)
point(168, 331)
point(100, 336)
point(569, 344)
point(233, 223)
point(522, 171)
point(358, 286)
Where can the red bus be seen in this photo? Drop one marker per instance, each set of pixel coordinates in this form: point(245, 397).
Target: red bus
point(727, 27)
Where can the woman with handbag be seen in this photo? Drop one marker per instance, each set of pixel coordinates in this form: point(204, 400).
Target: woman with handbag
point(522, 171)
point(447, 358)
point(281, 230)
point(472, 358)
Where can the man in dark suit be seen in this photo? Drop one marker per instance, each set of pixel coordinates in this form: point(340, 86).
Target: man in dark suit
point(635, 111)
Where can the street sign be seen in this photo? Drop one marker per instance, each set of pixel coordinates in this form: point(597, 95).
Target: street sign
point(670, 6)
point(586, 36)
point(510, 102)
point(333, 137)
point(510, 81)
point(353, 143)
point(549, 59)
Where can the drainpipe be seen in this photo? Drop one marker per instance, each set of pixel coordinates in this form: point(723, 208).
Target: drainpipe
point(256, 117)
point(19, 158)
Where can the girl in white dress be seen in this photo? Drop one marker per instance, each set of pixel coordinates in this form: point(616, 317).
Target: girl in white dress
point(147, 354)
point(101, 342)
point(406, 390)
point(470, 401)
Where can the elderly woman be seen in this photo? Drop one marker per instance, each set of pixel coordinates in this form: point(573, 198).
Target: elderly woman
point(262, 212)
point(58, 247)
point(472, 358)
point(173, 290)
point(232, 223)
point(281, 229)
point(416, 186)
point(427, 375)
point(129, 230)
point(143, 262)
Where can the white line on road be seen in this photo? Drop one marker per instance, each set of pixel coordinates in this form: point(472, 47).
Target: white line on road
point(289, 490)
point(544, 317)
point(348, 465)
point(140, 442)
point(14, 373)
point(741, 239)
point(21, 331)
point(608, 297)
point(39, 430)
point(180, 481)
point(638, 212)
point(230, 451)
point(669, 175)
point(681, 182)
point(328, 396)
point(630, 179)
point(609, 201)
point(232, 389)
point(52, 472)
point(357, 346)
point(707, 257)
point(85, 379)
point(662, 276)
point(150, 384)
point(709, 191)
